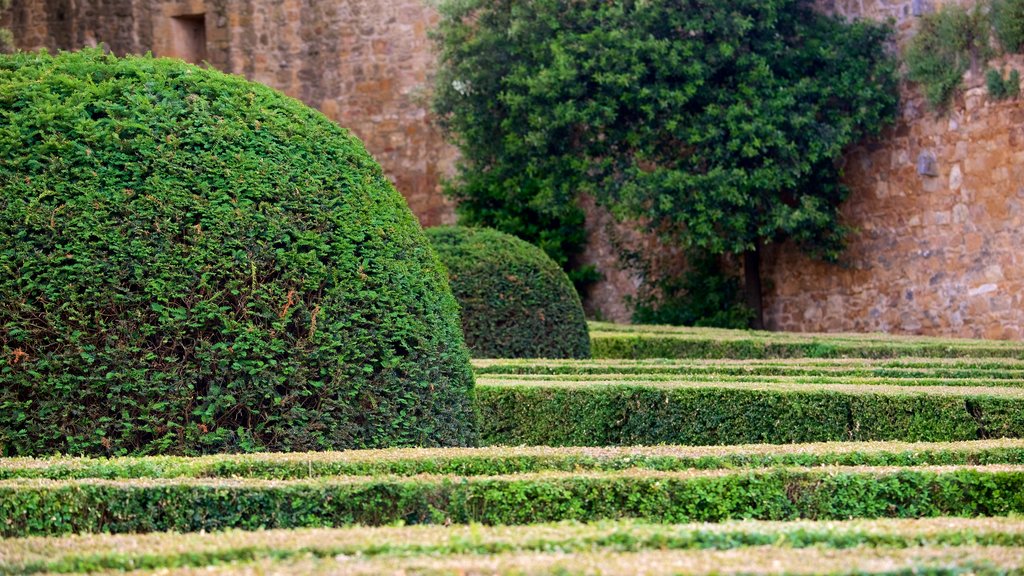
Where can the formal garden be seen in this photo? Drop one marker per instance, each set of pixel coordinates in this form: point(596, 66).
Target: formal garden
point(228, 347)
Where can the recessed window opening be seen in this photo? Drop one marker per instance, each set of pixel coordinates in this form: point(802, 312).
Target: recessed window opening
point(189, 37)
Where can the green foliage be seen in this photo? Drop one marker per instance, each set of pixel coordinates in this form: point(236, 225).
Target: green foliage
point(516, 302)
point(194, 263)
point(626, 414)
point(768, 494)
point(614, 341)
point(1000, 88)
point(948, 43)
point(719, 120)
point(704, 295)
point(1008, 24)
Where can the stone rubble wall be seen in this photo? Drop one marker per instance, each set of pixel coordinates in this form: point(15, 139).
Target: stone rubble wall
point(932, 255)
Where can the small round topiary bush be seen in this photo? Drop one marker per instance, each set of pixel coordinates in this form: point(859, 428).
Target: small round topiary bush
point(516, 301)
point(194, 263)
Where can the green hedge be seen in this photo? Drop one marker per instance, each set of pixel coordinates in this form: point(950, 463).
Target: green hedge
point(63, 507)
point(557, 414)
point(638, 346)
point(517, 460)
point(638, 341)
point(194, 263)
point(516, 301)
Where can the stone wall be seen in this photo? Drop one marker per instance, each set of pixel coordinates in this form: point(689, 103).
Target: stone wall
point(936, 253)
point(364, 63)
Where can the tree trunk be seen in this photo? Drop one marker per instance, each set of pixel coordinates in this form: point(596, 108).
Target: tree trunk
point(752, 285)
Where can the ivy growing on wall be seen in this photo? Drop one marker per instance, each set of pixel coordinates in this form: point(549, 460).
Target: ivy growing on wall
point(954, 40)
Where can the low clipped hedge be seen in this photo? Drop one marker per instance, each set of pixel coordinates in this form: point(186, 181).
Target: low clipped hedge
point(643, 414)
point(636, 347)
point(619, 341)
point(516, 301)
point(194, 263)
point(52, 508)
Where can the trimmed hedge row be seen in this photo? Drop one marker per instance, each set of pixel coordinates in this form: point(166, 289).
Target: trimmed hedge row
point(170, 550)
point(726, 334)
point(637, 341)
point(652, 345)
point(616, 414)
point(501, 460)
point(40, 507)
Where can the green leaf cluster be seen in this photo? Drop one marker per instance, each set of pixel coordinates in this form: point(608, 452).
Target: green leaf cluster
point(948, 43)
point(516, 301)
point(1002, 88)
point(1008, 24)
point(191, 262)
point(720, 121)
point(954, 40)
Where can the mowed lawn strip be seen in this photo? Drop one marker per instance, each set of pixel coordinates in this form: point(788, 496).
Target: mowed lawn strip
point(515, 411)
point(712, 379)
point(1000, 368)
point(965, 389)
point(54, 507)
point(517, 459)
point(975, 560)
point(89, 553)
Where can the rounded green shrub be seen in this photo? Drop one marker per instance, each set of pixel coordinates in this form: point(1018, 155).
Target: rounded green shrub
point(516, 301)
point(191, 262)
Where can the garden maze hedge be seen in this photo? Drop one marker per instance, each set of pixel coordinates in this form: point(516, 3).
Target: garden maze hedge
point(198, 264)
point(949, 506)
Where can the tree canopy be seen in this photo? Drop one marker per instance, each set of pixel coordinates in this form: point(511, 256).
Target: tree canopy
point(718, 123)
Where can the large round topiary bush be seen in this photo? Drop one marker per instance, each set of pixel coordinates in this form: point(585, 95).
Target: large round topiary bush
point(516, 301)
point(191, 262)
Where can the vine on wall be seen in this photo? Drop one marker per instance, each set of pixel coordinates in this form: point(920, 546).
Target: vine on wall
point(954, 40)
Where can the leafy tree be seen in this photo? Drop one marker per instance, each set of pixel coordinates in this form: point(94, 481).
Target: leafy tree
point(720, 121)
